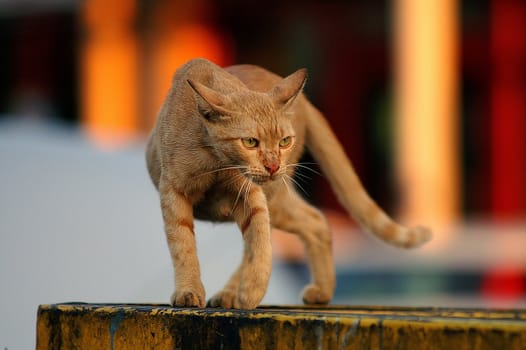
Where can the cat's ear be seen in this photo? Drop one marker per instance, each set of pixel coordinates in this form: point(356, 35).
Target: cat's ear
point(211, 104)
point(285, 92)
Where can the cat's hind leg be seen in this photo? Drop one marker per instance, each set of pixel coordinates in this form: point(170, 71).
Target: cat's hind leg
point(290, 213)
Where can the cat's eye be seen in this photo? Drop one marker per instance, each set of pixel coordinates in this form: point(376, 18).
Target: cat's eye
point(285, 142)
point(250, 142)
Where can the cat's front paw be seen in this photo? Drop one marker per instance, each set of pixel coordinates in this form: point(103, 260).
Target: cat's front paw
point(229, 299)
point(313, 294)
point(248, 301)
point(225, 299)
point(188, 298)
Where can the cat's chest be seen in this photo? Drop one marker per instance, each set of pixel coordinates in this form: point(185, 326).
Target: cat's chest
point(226, 194)
point(216, 204)
point(194, 187)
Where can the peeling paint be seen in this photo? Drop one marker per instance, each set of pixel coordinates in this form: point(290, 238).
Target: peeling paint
point(351, 332)
point(115, 322)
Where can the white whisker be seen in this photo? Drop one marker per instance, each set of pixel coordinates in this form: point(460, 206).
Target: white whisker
point(235, 178)
point(302, 176)
point(286, 184)
point(239, 195)
point(247, 193)
point(235, 167)
point(298, 185)
point(304, 166)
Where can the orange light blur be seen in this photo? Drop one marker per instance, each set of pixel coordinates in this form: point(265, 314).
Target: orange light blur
point(180, 33)
point(174, 47)
point(427, 150)
point(124, 80)
point(109, 66)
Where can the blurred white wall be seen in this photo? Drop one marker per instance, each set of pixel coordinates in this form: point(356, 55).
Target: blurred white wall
point(78, 224)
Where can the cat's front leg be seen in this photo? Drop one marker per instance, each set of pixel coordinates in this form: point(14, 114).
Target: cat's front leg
point(254, 271)
point(179, 226)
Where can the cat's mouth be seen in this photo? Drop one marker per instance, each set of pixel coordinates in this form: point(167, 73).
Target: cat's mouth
point(260, 180)
point(263, 179)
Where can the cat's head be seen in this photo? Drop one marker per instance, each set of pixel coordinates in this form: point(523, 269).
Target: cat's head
point(252, 130)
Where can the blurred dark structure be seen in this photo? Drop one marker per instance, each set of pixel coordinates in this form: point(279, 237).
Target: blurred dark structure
point(38, 64)
point(475, 86)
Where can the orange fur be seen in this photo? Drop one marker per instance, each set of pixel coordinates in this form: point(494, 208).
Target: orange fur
point(224, 148)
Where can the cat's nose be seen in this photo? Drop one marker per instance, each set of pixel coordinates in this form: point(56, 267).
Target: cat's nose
point(272, 168)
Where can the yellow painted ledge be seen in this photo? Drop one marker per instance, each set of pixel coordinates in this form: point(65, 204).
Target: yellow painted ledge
point(112, 326)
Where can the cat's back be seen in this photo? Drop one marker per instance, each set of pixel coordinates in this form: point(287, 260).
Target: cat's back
point(228, 79)
point(254, 77)
point(260, 79)
point(178, 112)
point(198, 69)
point(207, 73)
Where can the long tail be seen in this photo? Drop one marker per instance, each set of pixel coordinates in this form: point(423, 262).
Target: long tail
point(328, 152)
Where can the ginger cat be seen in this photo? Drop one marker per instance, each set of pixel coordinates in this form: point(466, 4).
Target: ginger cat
point(224, 148)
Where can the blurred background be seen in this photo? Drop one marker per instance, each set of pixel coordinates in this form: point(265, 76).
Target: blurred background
point(427, 97)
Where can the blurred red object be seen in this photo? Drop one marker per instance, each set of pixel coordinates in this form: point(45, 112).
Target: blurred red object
point(508, 108)
point(504, 282)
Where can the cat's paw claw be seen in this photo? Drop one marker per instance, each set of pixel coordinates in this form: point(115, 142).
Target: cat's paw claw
point(227, 299)
point(246, 302)
point(223, 299)
point(187, 298)
point(312, 294)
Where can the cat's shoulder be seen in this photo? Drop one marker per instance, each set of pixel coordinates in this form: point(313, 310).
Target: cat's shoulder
point(201, 63)
point(197, 66)
point(254, 77)
point(206, 72)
